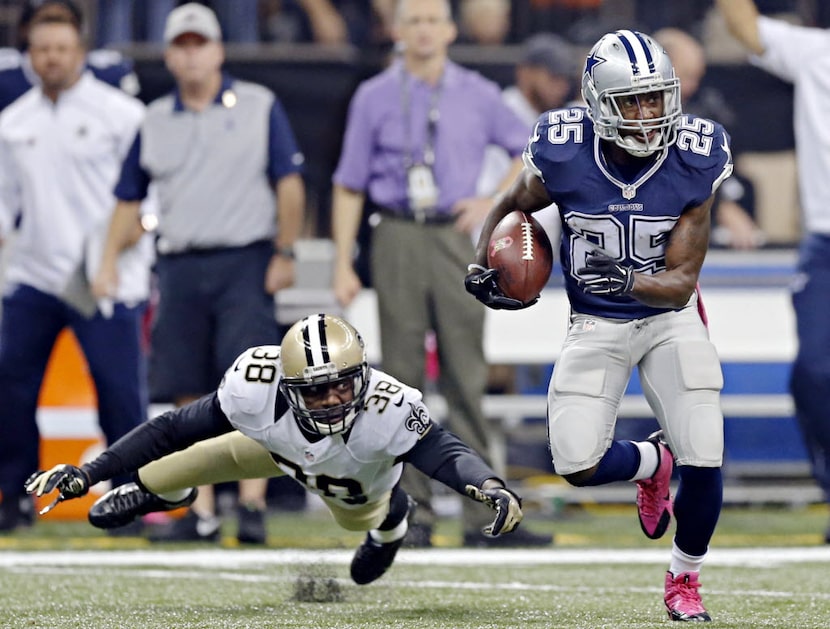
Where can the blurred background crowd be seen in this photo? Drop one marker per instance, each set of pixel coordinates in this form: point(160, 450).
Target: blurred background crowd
point(368, 22)
point(328, 46)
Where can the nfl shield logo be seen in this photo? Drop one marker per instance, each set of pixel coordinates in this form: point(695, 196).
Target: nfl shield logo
point(309, 456)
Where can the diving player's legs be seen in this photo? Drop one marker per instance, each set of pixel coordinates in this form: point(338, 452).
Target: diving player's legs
point(168, 483)
point(227, 458)
point(386, 521)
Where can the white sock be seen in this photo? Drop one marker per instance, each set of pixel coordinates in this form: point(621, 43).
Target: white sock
point(649, 459)
point(175, 496)
point(681, 562)
point(385, 537)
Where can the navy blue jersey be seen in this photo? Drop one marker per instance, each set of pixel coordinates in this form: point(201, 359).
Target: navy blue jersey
point(17, 76)
point(628, 215)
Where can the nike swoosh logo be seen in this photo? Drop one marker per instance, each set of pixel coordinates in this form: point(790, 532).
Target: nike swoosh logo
point(399, 402)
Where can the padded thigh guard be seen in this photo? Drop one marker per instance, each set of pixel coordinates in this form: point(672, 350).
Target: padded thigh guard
point(682, 381)
point(679, 371)
point(588, 382)
point(362, 517)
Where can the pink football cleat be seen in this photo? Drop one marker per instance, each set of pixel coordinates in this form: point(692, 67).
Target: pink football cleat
point(654, 502)
point(682, 598)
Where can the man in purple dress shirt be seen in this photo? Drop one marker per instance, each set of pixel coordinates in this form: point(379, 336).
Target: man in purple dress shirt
point(413, 149)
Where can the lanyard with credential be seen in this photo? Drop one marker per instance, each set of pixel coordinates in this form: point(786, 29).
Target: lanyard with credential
point(432, 123)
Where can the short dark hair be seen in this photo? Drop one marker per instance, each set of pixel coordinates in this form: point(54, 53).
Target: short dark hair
point(47, 12)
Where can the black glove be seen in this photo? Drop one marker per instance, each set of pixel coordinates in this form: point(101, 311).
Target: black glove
point(508, 508)
point(70, 481)
point(607, 276)
point(481, 283)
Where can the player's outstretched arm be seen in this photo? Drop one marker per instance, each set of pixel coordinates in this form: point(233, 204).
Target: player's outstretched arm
point(443, 456)
point(508, 506)
point(169, 432)
point(70, 481)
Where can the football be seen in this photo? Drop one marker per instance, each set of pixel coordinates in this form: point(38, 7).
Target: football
point(520, 250)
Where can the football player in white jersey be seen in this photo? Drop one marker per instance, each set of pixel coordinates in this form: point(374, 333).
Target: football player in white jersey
point(634, 180)
point(311, 408)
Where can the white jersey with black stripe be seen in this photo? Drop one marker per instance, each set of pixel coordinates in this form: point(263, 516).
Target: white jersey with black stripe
point(357, 466)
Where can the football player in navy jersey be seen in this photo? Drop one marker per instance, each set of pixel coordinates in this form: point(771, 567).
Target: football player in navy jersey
point(634, 180)
point(311, 408)
point(17, 75)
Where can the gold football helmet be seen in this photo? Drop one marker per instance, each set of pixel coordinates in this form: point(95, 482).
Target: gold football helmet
point(323, 359)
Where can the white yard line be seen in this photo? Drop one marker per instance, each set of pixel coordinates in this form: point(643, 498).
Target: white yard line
point(234, 559)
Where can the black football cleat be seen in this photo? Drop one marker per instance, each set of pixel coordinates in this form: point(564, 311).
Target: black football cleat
point(126, 502)
point(372, 559)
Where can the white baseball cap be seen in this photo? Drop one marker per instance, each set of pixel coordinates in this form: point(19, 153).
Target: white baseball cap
point(192, 18)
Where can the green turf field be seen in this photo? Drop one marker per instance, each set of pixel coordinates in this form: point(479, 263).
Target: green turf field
point(768, 568)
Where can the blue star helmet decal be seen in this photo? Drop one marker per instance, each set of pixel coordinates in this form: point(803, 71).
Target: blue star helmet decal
point(591, 62)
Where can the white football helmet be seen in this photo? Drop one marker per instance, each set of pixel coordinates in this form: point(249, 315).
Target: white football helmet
point(627, 63)
point(318, 352)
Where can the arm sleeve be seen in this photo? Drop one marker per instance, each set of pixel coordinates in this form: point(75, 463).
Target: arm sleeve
point(353, 169)
point(789, 48)
point(133, 181)
point(162, 435)
point(443, 456)
point(284, 157)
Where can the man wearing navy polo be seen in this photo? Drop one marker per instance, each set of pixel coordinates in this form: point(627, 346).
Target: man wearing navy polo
point(413, 150)
point(226, 166)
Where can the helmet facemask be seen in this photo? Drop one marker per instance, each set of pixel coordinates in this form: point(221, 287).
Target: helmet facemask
point(323, 358)
point(624, 65)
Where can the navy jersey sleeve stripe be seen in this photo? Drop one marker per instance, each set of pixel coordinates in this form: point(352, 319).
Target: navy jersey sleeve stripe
point(284, 157)
point(134, 181)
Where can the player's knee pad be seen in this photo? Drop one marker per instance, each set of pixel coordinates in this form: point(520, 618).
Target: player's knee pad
point(578, 438)
point(697, 436)
point(580, 419)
